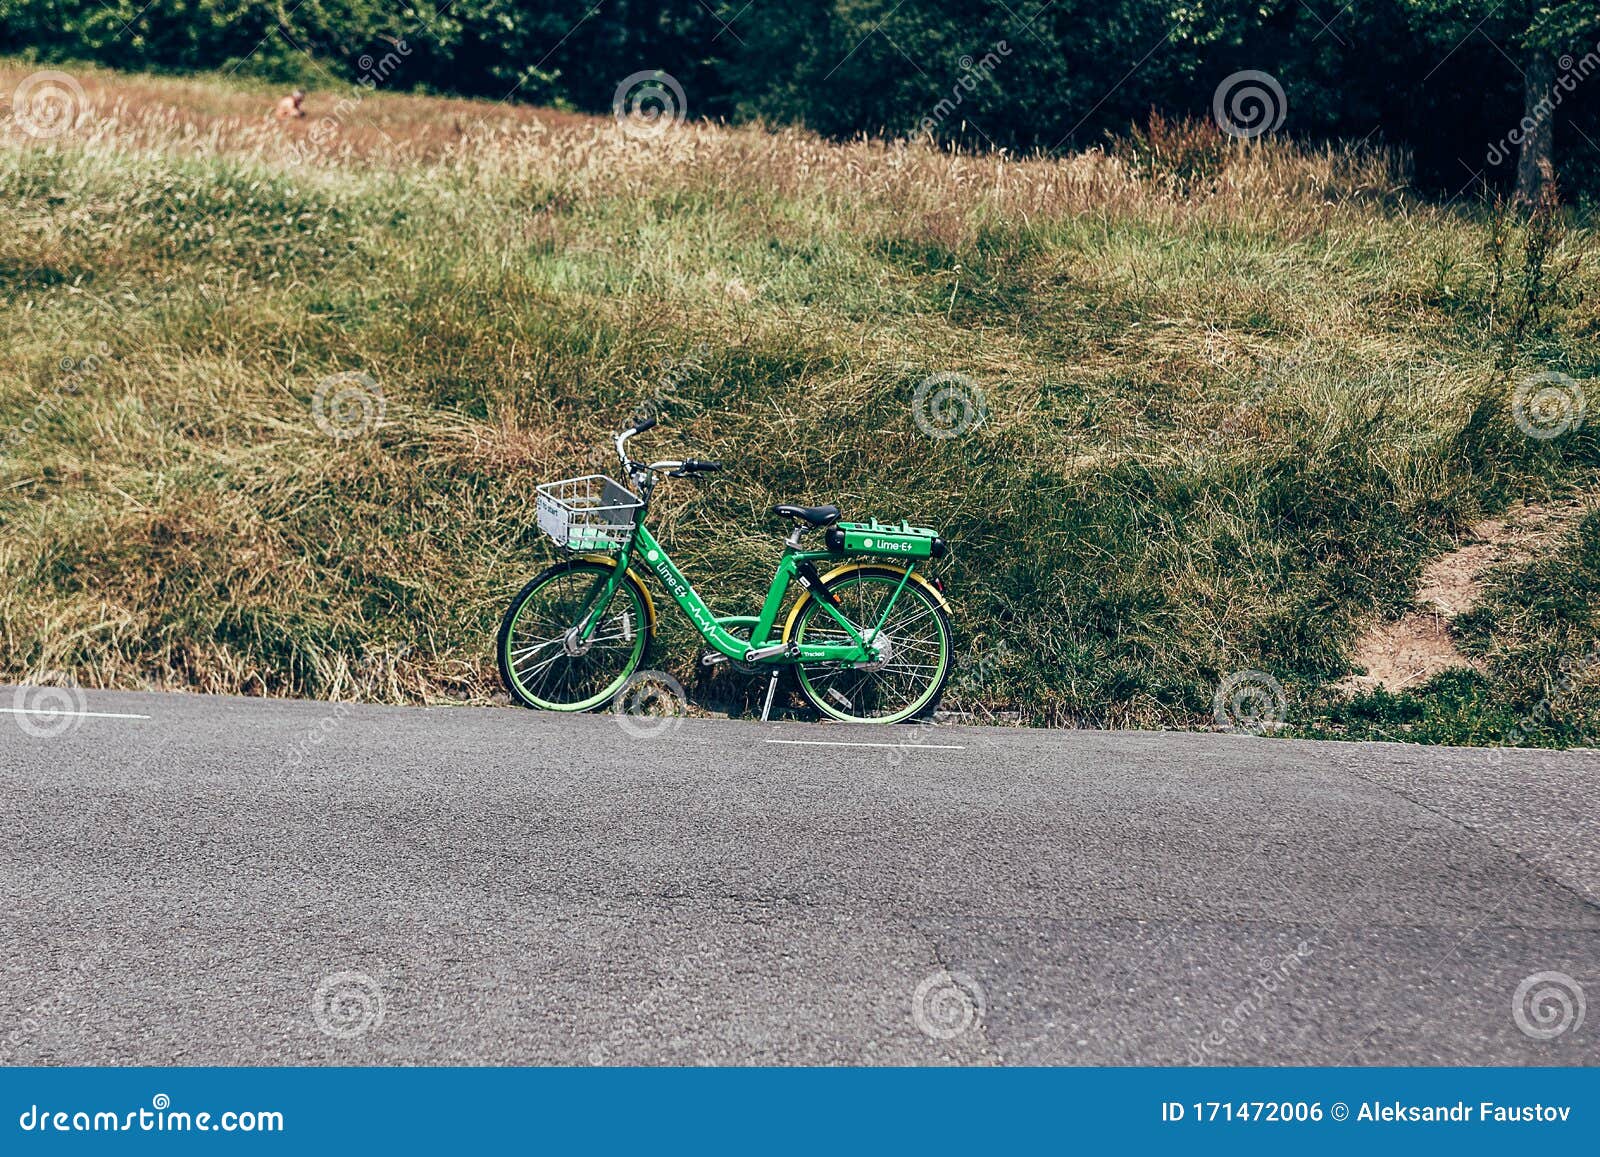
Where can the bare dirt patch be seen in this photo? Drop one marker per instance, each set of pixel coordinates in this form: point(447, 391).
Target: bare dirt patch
point(1411, 650)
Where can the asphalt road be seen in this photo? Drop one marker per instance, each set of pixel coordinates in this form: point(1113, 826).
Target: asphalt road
point(239, 881)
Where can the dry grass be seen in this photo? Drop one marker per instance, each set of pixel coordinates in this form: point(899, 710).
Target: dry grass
point(1235, 395)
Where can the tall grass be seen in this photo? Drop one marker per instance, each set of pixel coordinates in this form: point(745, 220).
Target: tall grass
point(1234, 395)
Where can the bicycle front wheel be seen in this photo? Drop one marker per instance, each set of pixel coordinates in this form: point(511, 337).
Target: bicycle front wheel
point(913, 648)
point(542, 661)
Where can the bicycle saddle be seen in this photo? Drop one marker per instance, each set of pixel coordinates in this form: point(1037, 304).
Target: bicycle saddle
point(815, 515)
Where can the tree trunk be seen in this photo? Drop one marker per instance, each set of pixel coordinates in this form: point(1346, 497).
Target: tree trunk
point(1536, 160)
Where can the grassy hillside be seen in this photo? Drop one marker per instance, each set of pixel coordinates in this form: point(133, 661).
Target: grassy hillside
point(277, 398)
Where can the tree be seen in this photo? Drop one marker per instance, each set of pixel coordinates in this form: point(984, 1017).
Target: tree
point(1541, 35)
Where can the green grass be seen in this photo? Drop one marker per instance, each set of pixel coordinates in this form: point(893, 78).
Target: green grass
point(1227, 421)
point(1538, 632)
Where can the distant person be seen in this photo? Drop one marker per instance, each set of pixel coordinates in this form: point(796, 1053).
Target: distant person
point(290, 107)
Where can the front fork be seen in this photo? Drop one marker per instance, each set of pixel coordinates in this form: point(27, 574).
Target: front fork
point(608, 590)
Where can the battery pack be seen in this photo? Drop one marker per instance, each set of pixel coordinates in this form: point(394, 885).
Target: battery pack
point(885, 539)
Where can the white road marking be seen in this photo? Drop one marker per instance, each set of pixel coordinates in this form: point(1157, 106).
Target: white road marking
point(849, 743)
point(73, 714)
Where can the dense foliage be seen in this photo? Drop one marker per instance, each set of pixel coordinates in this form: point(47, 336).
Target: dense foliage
point(1442, 77)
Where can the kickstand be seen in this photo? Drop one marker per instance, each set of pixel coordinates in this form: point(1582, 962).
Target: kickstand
point(772, 689)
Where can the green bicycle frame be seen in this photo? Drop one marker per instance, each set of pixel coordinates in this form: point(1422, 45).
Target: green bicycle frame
point(715, 630)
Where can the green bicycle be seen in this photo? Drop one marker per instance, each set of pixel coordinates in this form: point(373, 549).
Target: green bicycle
point(869, 642)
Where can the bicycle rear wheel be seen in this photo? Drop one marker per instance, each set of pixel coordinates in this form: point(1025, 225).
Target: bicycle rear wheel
point(542, 662)
point(914, 648)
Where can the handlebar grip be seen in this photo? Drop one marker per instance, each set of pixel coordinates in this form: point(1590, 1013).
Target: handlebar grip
point(694, 464)
point(643, 424)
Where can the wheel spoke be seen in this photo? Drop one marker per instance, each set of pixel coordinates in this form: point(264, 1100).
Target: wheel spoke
point(536, 657)
point(917, 644)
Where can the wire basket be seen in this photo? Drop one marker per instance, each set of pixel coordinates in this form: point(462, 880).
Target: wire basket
point(589, 513)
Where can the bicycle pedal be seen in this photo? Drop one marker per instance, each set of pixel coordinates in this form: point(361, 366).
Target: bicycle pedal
point(712, 658)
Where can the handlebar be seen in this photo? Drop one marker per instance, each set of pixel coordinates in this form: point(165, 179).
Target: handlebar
point(622, 440)
point(685, 469)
